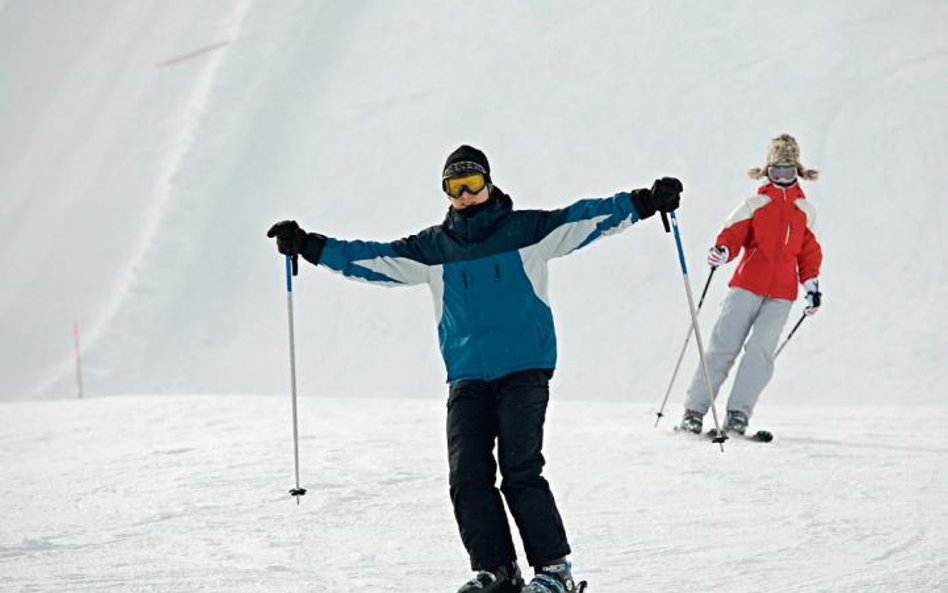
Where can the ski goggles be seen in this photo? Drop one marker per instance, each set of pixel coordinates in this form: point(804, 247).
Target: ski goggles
point(455, 186)
point(782, 173)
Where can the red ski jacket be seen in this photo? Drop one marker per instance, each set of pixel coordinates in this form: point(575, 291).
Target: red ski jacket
point(775, 228)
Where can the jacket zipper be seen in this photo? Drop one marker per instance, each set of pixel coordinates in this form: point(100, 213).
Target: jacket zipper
point(783, 219)
point(787, 240)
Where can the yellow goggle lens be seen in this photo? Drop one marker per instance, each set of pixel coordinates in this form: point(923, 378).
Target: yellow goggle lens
point(455, 186)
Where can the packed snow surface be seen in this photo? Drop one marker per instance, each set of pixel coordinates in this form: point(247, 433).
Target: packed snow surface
point(190, 494)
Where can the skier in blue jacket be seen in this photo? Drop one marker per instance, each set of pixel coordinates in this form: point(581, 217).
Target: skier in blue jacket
point(486, 267)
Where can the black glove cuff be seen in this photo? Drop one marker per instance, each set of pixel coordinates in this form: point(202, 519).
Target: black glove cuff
point(312, 247)
point(642, 201)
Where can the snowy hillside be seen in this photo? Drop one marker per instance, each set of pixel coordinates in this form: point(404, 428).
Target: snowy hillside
point(148, 145)
point(189, 494)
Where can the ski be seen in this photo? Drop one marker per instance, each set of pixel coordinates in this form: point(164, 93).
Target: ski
point(711, 435)
point(761, 436)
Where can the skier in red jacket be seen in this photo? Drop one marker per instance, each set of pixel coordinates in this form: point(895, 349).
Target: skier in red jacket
point(781, 250)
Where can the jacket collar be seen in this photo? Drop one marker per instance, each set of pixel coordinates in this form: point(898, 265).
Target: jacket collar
point(774, 191)
point(478, 225)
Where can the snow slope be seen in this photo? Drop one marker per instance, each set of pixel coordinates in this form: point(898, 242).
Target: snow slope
point(138, 175)
point(190, 494)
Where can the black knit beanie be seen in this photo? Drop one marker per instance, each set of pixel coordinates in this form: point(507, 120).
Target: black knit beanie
point(466, 160)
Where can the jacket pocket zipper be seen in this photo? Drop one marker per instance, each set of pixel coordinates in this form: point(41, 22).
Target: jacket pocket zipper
point(744, 263)
point(789, 229)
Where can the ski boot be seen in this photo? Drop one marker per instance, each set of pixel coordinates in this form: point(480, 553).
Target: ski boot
point(555, 578)
point(503, 579)
point(736, 422)
point(692, 422)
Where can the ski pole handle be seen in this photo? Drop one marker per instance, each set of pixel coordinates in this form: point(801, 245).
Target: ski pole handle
point(665, 222)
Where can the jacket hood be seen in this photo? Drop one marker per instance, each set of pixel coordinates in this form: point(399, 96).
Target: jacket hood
point(793, 191)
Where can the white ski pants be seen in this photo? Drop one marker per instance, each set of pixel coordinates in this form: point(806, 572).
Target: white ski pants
point(743, 313)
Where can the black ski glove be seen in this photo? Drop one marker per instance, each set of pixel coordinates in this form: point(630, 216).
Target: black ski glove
point(664, 196)
point(294, 241)
point(290, 237)
point(667, 194)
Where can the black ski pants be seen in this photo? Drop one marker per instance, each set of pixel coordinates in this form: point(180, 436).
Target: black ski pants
point(510, 410)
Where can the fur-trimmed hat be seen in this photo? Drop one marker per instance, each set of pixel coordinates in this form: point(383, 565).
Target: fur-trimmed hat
point(784, 149)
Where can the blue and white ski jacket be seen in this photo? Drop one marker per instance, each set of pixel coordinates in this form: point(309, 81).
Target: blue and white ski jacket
point(487, 273)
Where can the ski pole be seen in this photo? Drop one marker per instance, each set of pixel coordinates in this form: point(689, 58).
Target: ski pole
point(790, 335)
point(720, 436)
point(684, 347)
point(291, 270)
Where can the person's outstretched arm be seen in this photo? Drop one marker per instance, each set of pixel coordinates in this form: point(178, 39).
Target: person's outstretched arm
point(578, 225)
point(397, 263)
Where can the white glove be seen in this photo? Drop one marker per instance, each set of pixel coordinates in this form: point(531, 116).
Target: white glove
point(718, 255)
point(813, 296)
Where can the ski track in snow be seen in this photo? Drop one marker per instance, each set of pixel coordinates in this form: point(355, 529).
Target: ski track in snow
point(190, 494)
point(164, 192)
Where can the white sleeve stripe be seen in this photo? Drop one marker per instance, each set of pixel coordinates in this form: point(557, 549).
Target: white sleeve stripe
point(404, 270)
point(810, 212)
point(566, 237)
point(436, 285)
